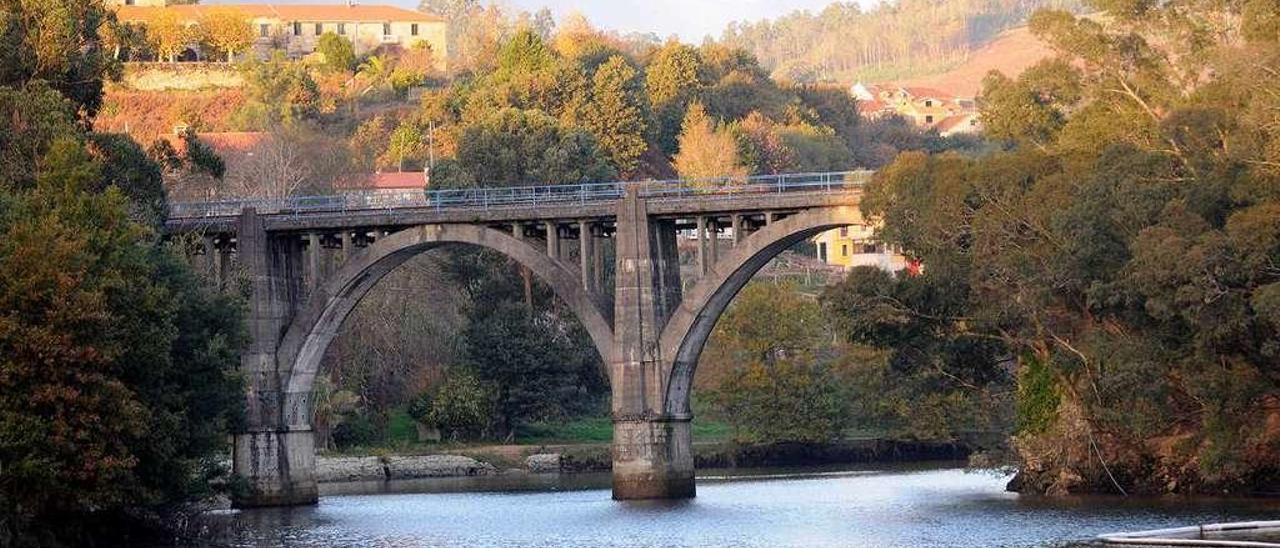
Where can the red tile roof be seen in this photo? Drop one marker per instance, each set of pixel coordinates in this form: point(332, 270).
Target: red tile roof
point(951, 122)
point(922, 92)
point(406, 180)
point(285, 12)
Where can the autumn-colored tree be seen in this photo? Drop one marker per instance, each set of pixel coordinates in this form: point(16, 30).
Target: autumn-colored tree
point(759, 145)
point(168, 34)
point(227, 30)
point(707, 152)
point(59, 43)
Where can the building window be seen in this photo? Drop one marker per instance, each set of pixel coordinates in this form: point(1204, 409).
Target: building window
point(386, 29)
point(342, 28)
point(973, 121)
point(844, 250)
point(319, 29)
point(928, 119)
point(822, 251)
point(928, 102)
point(128, 2)
point(870, 248)
point(413, 29)
point(297, 28)
point(263, 29)
point(844, 232)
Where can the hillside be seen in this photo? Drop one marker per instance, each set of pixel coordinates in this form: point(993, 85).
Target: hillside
point(148, 114)
point(896, 41)
point(1011, 53)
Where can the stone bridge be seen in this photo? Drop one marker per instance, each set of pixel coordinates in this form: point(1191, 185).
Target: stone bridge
point(309, 261)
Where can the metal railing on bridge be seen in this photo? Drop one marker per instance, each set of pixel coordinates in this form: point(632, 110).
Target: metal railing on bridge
point(524, 196)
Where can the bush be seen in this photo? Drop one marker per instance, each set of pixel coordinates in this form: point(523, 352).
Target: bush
point(356, 430)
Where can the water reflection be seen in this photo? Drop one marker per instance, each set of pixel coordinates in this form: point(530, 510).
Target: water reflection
point(886, 507)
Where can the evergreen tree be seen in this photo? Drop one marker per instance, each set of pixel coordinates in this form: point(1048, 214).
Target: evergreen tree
point(616, 116)
point(672, 79)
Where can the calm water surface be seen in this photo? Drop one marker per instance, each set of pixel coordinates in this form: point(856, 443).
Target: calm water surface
point(880, 507)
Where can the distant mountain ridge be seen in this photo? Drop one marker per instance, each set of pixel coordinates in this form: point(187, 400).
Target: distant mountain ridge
point(945, 43)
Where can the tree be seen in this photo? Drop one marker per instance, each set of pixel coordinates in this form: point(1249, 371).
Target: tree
point(228, 30)
point(407, 141)
point(521, 147)
point(706, 152)
point(760, 146)
point(279, 92)
point(532, 366)
point(671, 80)
point(338, 53)
point(616, 116)
point(767, 371)
point(460, 406)
point(1111, 256)
point(167, 34)
point(57, 42)
point(115, 363)
point(288, 162)
point(34, 117)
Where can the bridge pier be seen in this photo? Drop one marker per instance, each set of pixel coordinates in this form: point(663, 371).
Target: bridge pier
point(277, 466)
point(652, 451)
point(275, 461)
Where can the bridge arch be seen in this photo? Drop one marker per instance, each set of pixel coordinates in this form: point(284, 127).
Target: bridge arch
point(316, 324)
point(686, 332)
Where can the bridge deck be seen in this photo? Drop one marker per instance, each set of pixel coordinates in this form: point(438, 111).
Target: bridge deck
point(499, 205)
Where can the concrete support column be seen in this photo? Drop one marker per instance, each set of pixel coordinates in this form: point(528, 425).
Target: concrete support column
point(313, 263)
point(652, 452)
point(275, 460)
point(597, 260)
point(713, 240)
point(210, 261)
point(345, 252)
point(584, 253)
point(553, 239)
point(220, 261)
point(735, 223)
point(701, 232)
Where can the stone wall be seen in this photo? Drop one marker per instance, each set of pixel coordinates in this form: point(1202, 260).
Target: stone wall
point(180, 76)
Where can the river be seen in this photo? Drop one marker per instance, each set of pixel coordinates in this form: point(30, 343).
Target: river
point(879, 506)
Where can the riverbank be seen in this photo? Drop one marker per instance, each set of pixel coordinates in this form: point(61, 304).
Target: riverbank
point(574, 458)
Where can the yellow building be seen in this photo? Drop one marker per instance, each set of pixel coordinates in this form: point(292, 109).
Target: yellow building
point(296, 28)
point(852, 246)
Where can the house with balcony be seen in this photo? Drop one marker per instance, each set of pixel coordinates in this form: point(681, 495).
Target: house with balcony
point(296, 28)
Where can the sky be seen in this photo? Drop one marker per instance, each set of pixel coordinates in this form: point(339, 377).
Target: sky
point(691, 20)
